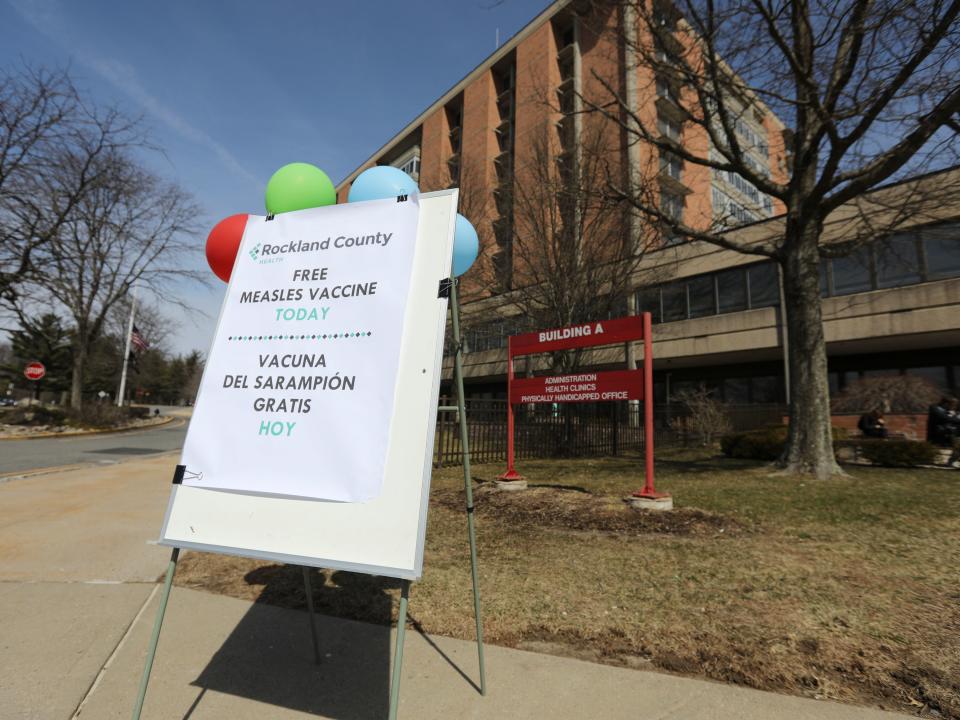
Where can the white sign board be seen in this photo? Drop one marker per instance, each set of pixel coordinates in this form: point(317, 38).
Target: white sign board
point(312, 436)
point(297, 396)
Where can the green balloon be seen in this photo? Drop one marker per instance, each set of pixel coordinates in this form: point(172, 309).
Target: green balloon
point(299, 186)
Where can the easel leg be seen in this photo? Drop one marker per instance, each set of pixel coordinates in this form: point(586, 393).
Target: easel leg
point(155, 637)
point(308, 589)
point(398, 652)
point(467, 481)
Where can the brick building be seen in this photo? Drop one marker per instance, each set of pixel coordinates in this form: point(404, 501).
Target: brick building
point(717, 312)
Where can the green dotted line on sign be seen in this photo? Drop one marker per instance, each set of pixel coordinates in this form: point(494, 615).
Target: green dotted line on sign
point(329, 336)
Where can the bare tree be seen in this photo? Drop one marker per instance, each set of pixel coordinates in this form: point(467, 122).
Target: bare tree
point(888, 393)
point(707, 417)
point(51, 149)
point(130, 230)
point(573, 256)
point(475, 206)
point(869, 93)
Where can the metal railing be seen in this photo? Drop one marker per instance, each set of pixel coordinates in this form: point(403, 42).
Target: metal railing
point(575, 430)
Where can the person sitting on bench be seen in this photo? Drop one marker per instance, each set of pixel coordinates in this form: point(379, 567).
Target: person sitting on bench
point(943, 422)
point(873, 425)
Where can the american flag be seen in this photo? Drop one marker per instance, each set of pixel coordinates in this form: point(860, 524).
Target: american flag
point(138, 340)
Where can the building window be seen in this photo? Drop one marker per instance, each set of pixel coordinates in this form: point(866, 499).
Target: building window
point(937, 375)
point(941, 246)
point(852, 274)
point(702, 296)
point(666, 91)
point(412, 166)
point(732, 290)
point(672, 166)
point(648, 300)
point(736, 390)
point(898, 262)
point(764, 285)
point(669, 128)
point(671, 204)
point(765, 389)
point(674, 299)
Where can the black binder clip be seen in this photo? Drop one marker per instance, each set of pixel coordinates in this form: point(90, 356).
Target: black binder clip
point(445, 286)
point(401, 198)
point(270, 217)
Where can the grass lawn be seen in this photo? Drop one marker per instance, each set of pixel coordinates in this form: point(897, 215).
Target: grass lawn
point(844, 590)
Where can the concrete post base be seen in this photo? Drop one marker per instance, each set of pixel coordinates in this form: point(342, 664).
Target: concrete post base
point(645, 503)
point(510, 485)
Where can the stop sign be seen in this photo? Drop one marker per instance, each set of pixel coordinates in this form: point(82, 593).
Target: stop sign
point(34, 371)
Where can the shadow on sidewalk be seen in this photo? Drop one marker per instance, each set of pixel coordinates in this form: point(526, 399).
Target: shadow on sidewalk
point(269, 655)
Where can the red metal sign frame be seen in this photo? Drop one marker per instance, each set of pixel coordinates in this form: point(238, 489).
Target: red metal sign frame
point(617, 384)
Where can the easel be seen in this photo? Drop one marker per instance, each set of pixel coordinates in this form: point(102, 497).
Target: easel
point(447, 286)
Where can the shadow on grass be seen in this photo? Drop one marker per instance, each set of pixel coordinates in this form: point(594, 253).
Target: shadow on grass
point(713, 464)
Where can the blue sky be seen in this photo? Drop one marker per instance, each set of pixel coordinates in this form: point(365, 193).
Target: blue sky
point(233, 90)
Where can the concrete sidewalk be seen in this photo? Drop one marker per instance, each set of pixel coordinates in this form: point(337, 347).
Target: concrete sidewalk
point(77, 601)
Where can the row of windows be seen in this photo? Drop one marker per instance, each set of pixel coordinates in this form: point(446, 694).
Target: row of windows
point(732, 390)
point(733, 290)
point(769, 388)
point(943, 377)
point(930, 253)
point(729, 210)
point(740, 183)
point(412, 167)
point(754, 139)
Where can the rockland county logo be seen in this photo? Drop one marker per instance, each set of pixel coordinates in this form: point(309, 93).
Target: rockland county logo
point(258, 251)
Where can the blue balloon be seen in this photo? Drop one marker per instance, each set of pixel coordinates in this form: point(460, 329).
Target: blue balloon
point(379, 183)
point(466, 245)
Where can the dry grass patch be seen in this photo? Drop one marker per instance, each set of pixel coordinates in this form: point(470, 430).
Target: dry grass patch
point(843, 590)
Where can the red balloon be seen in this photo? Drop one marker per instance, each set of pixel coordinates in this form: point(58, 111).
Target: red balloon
point(223, 242)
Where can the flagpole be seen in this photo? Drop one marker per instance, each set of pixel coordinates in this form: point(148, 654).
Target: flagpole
point(126, 351)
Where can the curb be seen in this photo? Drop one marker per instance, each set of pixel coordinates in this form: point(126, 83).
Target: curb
point(56, 469)
point(166, 421)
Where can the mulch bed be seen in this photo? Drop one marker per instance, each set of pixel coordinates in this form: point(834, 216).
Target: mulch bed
point(573, 509)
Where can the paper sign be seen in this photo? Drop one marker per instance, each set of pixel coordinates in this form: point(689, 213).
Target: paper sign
point(297, 395)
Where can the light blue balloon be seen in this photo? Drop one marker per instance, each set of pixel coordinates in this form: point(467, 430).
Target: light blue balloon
point(466, 245)
point(379, 183)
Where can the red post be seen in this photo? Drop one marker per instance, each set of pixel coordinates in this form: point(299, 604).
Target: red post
point(511, 473)
point(648, 489)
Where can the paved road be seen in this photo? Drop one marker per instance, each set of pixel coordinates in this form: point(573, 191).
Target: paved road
point(17, 456)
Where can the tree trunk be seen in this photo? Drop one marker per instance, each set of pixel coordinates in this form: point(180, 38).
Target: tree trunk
point(76, 382)
point(809, 448)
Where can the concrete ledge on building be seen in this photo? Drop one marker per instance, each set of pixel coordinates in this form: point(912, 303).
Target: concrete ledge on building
point(659, 503)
